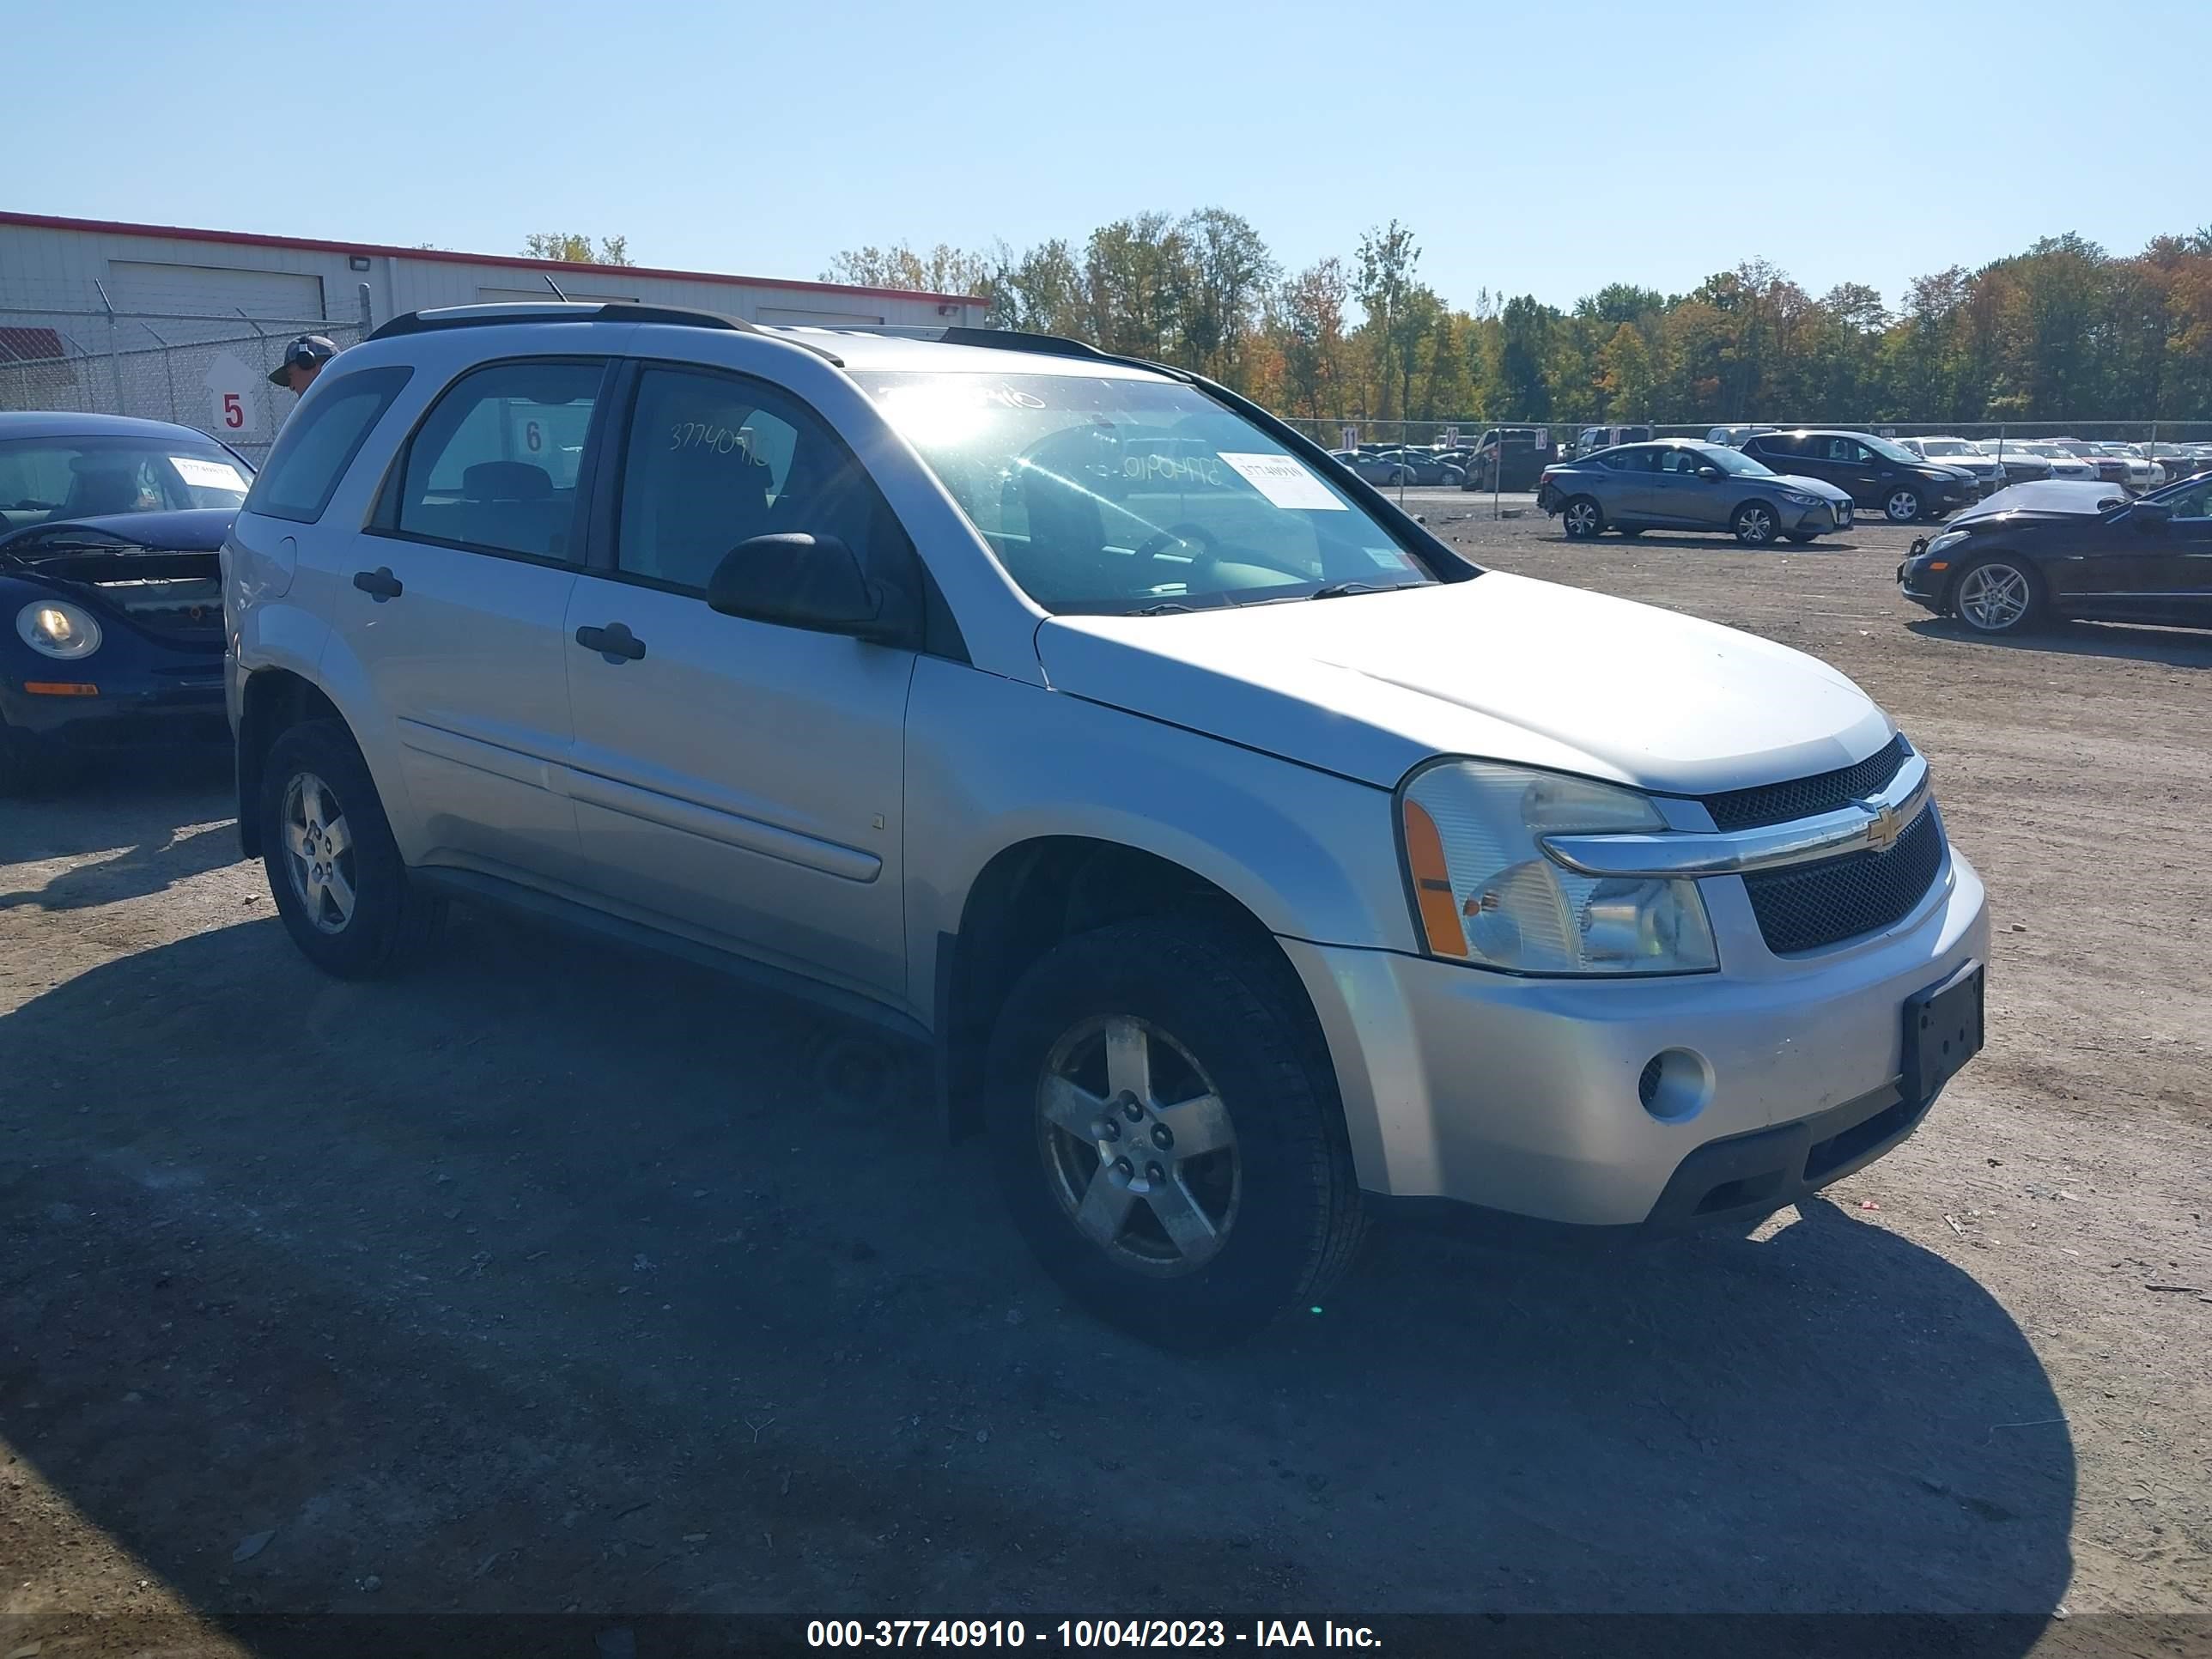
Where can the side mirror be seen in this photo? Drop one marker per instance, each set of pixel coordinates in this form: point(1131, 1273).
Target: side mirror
point(2150, 517)
point(1709, 474)
point(814, 582)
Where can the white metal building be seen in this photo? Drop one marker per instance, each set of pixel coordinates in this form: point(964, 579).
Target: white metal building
point(64, 264)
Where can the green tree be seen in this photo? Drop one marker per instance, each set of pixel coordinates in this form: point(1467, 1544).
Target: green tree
point(1388, 259)
point(573, 249)
point(944, 270)
point(1626, 373)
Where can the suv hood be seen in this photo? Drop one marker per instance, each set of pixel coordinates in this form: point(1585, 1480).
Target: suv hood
point(1500, 666)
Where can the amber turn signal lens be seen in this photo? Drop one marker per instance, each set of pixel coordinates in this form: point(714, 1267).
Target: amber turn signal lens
point(1432, 888)
point(60, 689)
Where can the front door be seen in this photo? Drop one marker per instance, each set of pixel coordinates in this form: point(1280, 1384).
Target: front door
point(735, 780)
point(454, 601)
point(2165, 574)
point(1681, 498)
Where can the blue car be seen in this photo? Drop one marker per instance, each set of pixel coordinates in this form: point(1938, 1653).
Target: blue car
point(111, 586)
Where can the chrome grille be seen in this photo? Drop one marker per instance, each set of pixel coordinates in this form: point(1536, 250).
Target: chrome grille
point(1819, 904)
point(1806, 797)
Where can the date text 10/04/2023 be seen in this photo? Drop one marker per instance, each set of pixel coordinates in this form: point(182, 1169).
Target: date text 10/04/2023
point(1086, 1633)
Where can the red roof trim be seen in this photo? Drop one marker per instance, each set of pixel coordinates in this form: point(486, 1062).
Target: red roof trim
point(254, 239)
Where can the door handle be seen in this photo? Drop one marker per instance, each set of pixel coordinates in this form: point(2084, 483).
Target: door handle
point(379, 584)
point(615, 642)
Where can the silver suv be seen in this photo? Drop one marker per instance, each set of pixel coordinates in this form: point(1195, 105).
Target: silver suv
point(1249, 861)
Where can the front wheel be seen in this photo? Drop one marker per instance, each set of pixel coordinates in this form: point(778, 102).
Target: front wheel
point(1996, 596)
point(1754, 524)
point(1168, 1132)
point(1582, 518)
point(1902, 506)
point(344, 893)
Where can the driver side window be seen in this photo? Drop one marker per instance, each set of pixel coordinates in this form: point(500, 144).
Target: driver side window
point(715, 459)
point(2195, 502)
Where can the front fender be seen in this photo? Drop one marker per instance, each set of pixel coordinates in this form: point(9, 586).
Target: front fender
point(993, 763)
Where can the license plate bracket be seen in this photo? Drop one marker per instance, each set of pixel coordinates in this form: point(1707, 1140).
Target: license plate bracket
point(1943, 1030)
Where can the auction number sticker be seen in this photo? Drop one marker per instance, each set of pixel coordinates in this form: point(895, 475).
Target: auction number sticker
point(207, 475)
point(1284, 481)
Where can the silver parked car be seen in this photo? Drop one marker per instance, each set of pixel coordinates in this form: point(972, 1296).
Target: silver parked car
point(1249, 861)
point(1678, 483)
point(1960, 452)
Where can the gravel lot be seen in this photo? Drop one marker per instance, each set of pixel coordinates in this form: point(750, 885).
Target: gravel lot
point(556, 1278)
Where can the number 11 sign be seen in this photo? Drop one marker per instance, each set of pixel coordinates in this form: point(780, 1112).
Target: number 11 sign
point(234, 400)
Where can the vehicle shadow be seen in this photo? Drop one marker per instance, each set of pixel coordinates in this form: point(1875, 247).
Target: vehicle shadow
point(1718, 542)
point(2175, 647)
point(155, 825)
point(553, 1278)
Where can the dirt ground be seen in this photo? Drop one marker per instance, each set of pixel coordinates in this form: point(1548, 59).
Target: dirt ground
point(558, 1279)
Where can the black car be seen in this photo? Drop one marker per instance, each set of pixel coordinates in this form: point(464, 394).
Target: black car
point(2043, 550)
point(1509, 458)
point(111, 586)
point(1878, 473)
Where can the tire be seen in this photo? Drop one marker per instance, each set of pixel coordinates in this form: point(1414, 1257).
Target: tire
point(316, 798)
point(1800, 536)
point(1902, 505)
point(1266, 1221)
point(1997, 596)
point(1754, 524)
point(1582, 519)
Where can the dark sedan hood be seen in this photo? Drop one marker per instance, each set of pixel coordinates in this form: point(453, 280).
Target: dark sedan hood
point(184, 529)
point(2051, 498)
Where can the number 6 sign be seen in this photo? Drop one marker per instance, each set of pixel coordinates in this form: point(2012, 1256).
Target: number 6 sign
point(234, 404)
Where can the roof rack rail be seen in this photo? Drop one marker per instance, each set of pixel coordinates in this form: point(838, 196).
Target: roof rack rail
point(610, 311)
point(992, 339)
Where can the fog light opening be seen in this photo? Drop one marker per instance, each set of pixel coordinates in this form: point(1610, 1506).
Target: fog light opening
point(1675, 1085)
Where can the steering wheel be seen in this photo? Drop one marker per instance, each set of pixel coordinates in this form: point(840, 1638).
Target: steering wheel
point(1159, 541)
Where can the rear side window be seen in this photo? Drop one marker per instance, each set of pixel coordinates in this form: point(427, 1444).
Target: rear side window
point(1771, 443)
point(318, 443)
point(495, 464)
point(1632, 460)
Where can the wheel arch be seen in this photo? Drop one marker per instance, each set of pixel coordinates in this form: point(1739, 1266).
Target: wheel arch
point(1032, 895)
point(271, 701)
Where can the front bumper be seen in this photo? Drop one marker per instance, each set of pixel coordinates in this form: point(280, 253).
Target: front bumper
point(174, 704)
point(1463, 1088)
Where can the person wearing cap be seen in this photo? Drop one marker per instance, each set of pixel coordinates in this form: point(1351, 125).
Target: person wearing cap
point(303, 360)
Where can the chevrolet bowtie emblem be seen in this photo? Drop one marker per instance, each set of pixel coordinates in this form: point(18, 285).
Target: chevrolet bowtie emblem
point(1883, 825)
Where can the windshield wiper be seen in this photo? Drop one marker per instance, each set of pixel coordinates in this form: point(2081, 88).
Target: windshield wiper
point(1165, 607)
point(1339, 590)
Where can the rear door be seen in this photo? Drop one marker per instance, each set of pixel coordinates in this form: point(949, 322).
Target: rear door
point(736, 781)
point(1683, 499)
point(455, 605)
point(1631, 484)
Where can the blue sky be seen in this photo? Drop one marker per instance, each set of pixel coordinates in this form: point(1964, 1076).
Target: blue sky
point(1532, 148)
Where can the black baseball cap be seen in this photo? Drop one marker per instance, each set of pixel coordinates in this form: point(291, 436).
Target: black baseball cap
point(308, 351)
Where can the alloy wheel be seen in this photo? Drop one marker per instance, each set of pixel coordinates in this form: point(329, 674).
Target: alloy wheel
point(1138, 1147)
point(319, 853)
point(1902, 507)
point(1755, 526)
point(1994, 597)
point(1582, 519)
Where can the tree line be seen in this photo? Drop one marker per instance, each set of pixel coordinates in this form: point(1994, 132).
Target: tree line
point(2064, 331)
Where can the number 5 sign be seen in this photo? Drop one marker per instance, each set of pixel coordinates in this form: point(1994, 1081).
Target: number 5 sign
point(234, 400)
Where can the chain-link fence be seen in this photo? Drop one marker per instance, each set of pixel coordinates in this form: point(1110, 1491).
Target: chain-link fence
point(208, 372)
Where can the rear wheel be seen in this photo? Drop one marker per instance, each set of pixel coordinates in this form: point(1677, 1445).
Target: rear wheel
point(344, 894)
point(1997, 596)
point(1168, 1133)
point(1754, 524)
point(1901, 504)
point(1582, 518)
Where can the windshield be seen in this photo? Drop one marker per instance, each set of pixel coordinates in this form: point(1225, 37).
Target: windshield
point(1884, 446)
point(1734, 462)
point(1117, 495)
point(43, 479)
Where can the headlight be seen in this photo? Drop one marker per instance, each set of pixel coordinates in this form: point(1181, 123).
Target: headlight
point(1485, 893)
point(55, 628)
point(1799, 498)
point(1949, 538)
